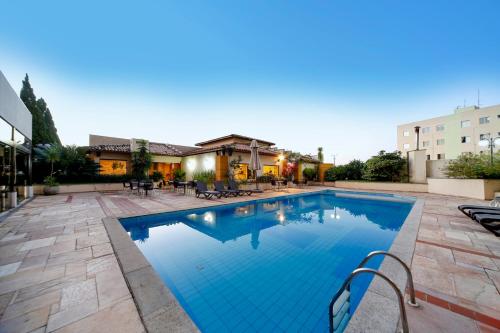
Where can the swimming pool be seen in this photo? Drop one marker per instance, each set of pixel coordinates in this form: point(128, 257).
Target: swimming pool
point(268, 265)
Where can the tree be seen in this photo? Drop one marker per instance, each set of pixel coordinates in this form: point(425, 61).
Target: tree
point(53, 155)
point(44, 130)
point(320, 154)
point(386, 167)
point(141, 160)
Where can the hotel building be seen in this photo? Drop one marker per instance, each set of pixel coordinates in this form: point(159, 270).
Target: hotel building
point(447, 137)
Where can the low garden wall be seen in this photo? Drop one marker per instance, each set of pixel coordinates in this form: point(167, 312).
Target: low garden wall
point(75, 188)
point(379, 186)
point(483, 189)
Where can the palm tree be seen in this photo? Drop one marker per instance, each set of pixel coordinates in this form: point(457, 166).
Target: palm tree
point(53, 154)
point(320, 154)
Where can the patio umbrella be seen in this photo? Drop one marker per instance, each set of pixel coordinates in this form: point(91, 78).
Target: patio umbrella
point(254, 164)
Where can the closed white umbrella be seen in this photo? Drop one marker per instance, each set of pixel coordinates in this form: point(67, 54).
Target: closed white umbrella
point(254, 164)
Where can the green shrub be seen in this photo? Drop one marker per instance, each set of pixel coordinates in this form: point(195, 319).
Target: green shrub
point(309, 173)
point(336, 173)
point(207, 177)
point(354, 170)
point(50, 181)
point(386, 167)
point(157, 176)
point(265, 178)
point(474, 166)
point(179, 175)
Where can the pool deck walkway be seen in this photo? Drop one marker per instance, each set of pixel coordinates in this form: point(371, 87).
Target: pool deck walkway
point(59, 273)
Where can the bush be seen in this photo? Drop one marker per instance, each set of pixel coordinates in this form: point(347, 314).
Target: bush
point(157, 176)
point(354, 170)
point(265, 178)
point(207, 177)
point(179, 175)
point(309, 173)
point(386, 167)
point(336, 173)
point(473, 166)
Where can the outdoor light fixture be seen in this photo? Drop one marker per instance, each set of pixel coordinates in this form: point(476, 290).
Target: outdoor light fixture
point(208, 163)
point(490, 143)
point(191, 164)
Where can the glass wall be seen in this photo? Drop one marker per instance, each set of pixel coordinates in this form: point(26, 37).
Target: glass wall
point(15, 163)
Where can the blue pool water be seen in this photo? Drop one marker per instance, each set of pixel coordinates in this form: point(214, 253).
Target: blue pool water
point(267, 265)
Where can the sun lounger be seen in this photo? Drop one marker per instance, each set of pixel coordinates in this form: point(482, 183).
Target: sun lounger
point(219, 186)
point(201, 189)
point(473, 212)
point(234, 186)
point(466, 208)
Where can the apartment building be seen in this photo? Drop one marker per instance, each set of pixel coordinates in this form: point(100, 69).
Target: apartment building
point(449, 136)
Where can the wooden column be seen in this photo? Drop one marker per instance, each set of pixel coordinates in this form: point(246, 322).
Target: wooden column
point(221, 167)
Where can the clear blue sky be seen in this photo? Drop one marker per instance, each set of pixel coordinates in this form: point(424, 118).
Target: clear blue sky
point(337, 74)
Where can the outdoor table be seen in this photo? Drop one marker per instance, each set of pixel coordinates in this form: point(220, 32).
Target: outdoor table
point(184, 185)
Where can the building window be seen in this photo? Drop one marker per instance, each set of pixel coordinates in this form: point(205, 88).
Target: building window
point(439, 128)
point(485, 136)
point(440, 142)
point(241, 171)
point(428, 157)
point(440, 156)
point(426, 144)
point(270, 170)
point(426, 130)
point(406, 146)
point(112, 167)
point(484, 120)
point(406, 133)
point(465, 123)
point(465, 139)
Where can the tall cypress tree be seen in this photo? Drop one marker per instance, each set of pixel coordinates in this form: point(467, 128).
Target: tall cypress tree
point(44, 130)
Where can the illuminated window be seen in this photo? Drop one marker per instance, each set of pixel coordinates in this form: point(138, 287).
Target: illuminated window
point(270, 169)
point(241, 172)
point(113, 167)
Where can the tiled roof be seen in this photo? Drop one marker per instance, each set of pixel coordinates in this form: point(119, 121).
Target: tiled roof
point(113, 148)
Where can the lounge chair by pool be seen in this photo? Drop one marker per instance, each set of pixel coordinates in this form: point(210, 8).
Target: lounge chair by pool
point(234, 186)
point(219, 186)
point(202, 189)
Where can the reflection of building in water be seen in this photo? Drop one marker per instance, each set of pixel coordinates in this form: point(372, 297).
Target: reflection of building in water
point(226, 223)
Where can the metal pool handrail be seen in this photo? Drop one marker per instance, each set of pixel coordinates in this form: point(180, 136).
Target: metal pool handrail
point(412, 301)
point(404, 320)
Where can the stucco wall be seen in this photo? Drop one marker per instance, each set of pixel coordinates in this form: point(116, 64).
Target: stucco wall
point(435, 169)
point(197, 163)
point(381, 186)
point(483, 189)
point(76, 188)
point(264, 160)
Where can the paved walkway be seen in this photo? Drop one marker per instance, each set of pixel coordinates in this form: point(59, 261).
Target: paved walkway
point(58, 271)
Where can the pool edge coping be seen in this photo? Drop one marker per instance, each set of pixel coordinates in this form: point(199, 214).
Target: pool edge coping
point(158, 308)
point(380, 293)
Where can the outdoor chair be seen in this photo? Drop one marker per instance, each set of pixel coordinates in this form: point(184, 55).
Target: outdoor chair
point(274, 185)
point(467, 208)
point(134, 186)
point(202, 189)
point(219, 186)
point(234, 186)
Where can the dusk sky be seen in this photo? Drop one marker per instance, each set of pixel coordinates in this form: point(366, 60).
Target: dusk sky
point(304, 74)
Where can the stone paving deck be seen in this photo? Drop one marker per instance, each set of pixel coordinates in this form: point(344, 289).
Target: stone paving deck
point(59, 273)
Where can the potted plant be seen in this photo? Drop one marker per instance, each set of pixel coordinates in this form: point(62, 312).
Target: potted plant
point(51, 186)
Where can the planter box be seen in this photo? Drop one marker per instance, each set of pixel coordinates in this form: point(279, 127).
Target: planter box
point(76, 188)
point(483, 189)
point(380, 186)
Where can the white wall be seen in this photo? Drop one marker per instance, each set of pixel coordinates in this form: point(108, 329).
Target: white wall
point(12, 109)
point(197, 163)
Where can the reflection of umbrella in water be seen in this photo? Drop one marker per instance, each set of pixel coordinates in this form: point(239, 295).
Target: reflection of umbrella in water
point(256, 227)
point(254, 164)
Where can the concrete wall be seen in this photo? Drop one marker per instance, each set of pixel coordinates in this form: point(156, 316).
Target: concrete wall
point(380, 186)
point(12, 109)
point(416, 166)
point(435, 169)
point(483, 189)
point(76, 188)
